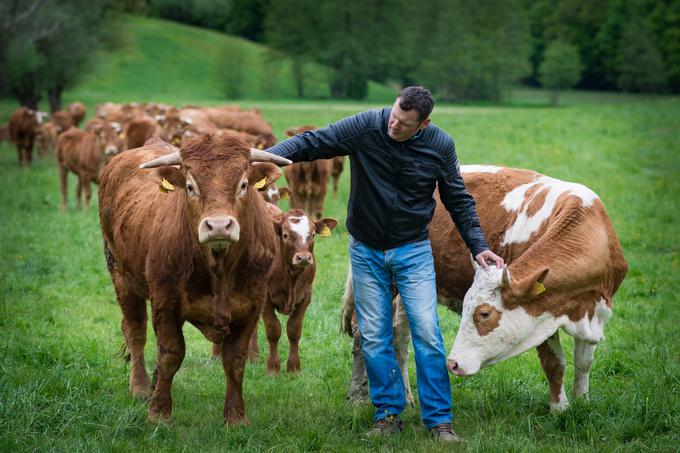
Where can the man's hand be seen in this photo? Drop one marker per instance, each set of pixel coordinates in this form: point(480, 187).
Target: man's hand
point(488, 257)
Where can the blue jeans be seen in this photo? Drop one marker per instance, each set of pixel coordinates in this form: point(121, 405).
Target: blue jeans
point(411, 267)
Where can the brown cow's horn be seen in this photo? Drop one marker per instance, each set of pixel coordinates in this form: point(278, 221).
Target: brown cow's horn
point(165, 160)
point(258, 155)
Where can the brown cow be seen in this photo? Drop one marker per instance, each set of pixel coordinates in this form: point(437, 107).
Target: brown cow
point(308, 181)
point(84, 153)
point(77, 111)
point(564, 266)
point(23, 127)
point(200, 252)
point(139, 130)
point(62, 120)
point(290, 287)
point(250, 121)
point(47, 138)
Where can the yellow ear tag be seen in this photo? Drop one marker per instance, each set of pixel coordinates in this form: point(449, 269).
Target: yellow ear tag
point(165, 186)
point(260, 146)
point(284, 195)
point(260, 184)
point(325, 232)
point(121, 135)
point(539, 288)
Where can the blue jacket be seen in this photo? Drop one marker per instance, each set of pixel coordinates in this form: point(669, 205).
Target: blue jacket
point(391, 199)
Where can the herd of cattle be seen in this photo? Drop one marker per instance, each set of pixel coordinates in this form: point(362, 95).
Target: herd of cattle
point(190, 222)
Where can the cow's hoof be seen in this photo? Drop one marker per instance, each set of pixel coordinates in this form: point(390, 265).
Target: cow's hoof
point(157, 417)
point(560, 407)
point(142, 393)
point(293, 368)
point(236, 421)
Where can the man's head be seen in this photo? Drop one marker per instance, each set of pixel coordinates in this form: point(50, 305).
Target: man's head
point(410, 113)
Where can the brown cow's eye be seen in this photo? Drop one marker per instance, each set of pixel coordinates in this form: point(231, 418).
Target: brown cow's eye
point(244, 184)
point(285, 235)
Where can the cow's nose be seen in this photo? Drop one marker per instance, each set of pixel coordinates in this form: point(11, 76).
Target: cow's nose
point(452, 365)
point(218, 229)
point(302, 259)
point(111, 150)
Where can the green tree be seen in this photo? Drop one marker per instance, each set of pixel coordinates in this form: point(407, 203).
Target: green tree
point(638, 61)
point(560, 68)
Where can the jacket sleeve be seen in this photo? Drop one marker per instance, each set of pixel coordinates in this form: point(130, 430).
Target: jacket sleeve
point(460, 204)
point(337, 139)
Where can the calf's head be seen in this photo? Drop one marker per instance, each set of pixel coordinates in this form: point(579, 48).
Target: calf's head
point(217, 178)
point(296, 231)
point(494, 324)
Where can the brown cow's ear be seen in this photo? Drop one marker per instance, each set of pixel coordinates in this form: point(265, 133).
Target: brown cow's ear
point(290, 133)
point(277, 216)
point(263, 174)
point(171, 175)
point(325, 225)
point(531, 286)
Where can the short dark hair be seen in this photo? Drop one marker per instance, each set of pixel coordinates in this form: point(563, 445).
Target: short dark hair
point(418, 98)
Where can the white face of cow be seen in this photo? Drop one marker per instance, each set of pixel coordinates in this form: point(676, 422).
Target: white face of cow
point(489, 331)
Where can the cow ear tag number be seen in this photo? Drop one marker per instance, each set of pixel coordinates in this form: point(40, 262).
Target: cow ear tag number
point(165, 186)
point(260, 184)
point(325, 232)
point(539, 288)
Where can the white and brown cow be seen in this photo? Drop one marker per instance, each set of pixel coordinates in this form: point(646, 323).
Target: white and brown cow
point(564, 264)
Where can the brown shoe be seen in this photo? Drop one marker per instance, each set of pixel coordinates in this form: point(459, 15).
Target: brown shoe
point(444, 433)
point(386, 427)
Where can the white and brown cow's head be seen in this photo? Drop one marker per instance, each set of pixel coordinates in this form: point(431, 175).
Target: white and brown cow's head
point(217, 178)
point(494, 324)
point(296, 231)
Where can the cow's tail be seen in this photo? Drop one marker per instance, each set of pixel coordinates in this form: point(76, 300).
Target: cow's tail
point(347, 304)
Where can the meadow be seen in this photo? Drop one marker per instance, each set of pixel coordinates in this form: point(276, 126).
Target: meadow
point(63, 383)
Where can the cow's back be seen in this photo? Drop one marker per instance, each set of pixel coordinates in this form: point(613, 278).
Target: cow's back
point(571, 235)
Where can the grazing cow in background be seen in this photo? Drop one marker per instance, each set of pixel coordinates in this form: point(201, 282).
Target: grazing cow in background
point(77, 111)
point(47, 138)
point(308, 181)
point(201, 251)
point(290, 287)
point(84, 153)
point(62, 120)
point(24, 125)
point(139, 130)
point(564, 264)
point(336, 171)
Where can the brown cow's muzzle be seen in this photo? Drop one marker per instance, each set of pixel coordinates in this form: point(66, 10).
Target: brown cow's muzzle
point(302, 259)
point(218, 232)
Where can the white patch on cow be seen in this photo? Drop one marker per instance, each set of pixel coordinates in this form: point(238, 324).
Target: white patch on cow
point(591, 329)
point(517, 201)
point(480, 169)
point(271, 191)
point(300, 226)
point(583, 360)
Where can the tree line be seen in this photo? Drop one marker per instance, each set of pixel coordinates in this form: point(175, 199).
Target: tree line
point(461, 49)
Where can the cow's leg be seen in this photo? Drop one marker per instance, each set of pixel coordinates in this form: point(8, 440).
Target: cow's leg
point(87, 186)
point(272, 327)
point(401, 341)
point(63, 179)
point(171, 349)
point(583, 359)
point(234, 352)
point(358, 386)
point(29, 154)
point(134, 331)
point(216, 351)
point(552, 359)
point(336, 178)
point(253, 347)
point(294, 332)
point(79, 192)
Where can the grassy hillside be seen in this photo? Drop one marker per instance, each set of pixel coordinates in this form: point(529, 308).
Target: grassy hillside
point(172, 62)
point(63, 386)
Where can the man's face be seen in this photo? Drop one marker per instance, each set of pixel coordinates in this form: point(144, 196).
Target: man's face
point(403, 124)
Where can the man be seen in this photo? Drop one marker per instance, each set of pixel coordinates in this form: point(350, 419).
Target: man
point(398, 158)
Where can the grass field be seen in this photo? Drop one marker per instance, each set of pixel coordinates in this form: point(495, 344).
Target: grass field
point(63, 385)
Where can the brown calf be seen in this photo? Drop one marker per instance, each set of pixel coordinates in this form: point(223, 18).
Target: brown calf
point(23, 127)
point(84, 153)
point(201, 251)
point(77, 111)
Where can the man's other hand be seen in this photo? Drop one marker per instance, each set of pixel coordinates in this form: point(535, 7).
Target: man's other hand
point(488, 257)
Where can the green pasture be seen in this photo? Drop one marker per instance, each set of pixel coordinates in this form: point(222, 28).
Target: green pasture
point(64, 386)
